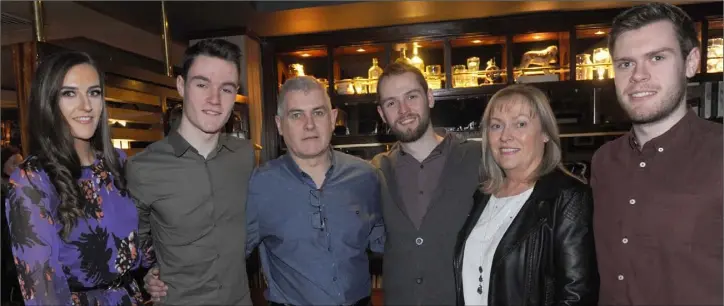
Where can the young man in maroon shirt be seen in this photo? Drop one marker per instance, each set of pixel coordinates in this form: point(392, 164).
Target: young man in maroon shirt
point(658, 189)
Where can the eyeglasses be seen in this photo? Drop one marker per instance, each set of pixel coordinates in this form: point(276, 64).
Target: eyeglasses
point(317, 219)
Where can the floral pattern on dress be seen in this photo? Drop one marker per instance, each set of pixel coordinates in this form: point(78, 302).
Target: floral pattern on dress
point(75, 270)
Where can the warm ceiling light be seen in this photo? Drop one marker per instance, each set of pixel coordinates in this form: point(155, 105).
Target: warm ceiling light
point(600, 32)
point(305, 54)
point(360, 50)
point(537, 37)
point(477, 41)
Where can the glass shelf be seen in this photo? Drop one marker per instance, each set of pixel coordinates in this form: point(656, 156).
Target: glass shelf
point(312, 62)
point(715, 40)
point(541, 57)
point(593, 60)
point(478, 61)
point(356, 69)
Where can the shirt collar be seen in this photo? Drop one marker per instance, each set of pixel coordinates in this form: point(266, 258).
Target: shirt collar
point(289, 161)
point(180, 145)
point(677, 133)
point(441, 147)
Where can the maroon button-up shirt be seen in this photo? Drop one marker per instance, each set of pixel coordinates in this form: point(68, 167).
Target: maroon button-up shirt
point(658, 217)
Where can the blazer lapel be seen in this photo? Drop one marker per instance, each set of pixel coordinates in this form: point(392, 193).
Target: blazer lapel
point(389, 172)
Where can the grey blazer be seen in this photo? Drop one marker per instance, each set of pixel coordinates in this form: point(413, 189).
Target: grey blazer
point(418, 262)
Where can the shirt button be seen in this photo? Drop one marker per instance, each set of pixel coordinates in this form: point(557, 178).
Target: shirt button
point(620, 277)
point(632, 201)
point(422, 166)
point(642, 164)
point(418, 280)
point(624, 240)
point(421, 192)
point(334, 278)
point(661, 149)
point(419, 241)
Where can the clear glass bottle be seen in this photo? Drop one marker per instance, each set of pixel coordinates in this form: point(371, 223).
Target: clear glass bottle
point(373, 74)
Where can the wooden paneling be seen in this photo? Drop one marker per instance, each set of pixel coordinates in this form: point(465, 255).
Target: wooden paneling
point(127, 96)
point(134, 115)
point(136, 134)
point(593, 12)
point(310, 53)
point(9, 104)
point(359, 49)
point(252, 52)
point(24, 64)
point(367, 14)
point(472, 41)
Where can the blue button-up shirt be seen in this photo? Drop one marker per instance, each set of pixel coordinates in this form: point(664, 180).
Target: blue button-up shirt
point(313, 241)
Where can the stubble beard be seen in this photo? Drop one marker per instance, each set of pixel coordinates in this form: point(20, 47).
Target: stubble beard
point(667, 105)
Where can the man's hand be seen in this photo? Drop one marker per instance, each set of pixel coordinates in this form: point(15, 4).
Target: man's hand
point(154, 286)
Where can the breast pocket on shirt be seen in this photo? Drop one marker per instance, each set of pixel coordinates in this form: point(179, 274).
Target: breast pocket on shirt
point(355, 222)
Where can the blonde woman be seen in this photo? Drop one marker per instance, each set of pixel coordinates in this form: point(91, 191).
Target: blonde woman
point(528, 239)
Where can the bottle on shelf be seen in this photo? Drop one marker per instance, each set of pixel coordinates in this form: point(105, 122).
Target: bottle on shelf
point(373, 74)
point(403, 57)
point(416, 60)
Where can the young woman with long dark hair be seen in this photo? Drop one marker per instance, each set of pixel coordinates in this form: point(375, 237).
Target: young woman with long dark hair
point(73, 226)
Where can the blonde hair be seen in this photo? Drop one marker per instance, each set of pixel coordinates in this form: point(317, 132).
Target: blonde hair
point(493, 175)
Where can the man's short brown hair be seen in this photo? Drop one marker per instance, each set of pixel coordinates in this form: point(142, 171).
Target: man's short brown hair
point(645, 14)
point(398, 69)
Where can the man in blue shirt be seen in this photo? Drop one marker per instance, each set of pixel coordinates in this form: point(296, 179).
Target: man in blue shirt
point(314, 211)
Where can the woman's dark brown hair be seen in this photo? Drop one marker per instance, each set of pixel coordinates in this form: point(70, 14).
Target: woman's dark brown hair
point(52, 142)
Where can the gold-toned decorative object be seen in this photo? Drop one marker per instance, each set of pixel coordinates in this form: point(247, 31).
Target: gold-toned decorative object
point(373, 74)
point(714, 55)
point(433, 75)
point(403, 57)
point(344, 87)
point(493, 76)
point(296, 70)
point(473, 66)
point(416, 60)
point(324, 82)
point(602, 62)
point(459, 72)
point(584, 67)
point(543, 58)
point(360, 85)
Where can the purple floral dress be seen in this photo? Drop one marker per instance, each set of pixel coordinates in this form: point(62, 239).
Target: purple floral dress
point(100, 249)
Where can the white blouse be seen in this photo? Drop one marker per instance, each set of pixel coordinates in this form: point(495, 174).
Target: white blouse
point(482, 243)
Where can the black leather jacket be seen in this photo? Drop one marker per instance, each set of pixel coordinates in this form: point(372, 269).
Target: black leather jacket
point(547, 256)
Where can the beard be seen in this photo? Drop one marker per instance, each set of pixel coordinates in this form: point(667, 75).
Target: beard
point(412, 134)
point(660, 110)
